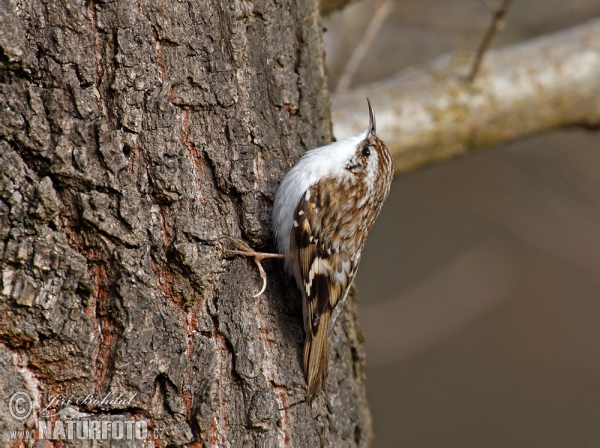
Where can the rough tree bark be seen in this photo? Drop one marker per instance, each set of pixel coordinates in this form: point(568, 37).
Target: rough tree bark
point(133, 135)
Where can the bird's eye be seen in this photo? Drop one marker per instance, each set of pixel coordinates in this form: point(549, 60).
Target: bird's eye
point(366, 152)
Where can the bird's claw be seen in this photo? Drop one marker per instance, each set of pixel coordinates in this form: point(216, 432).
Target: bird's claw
point(246, 251)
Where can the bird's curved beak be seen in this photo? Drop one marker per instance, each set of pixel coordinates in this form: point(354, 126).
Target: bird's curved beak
point(371, 128)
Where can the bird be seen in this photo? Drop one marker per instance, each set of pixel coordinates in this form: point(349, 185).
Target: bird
point(324, 209)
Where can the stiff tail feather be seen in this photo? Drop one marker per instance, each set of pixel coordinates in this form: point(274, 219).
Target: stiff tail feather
point(316, 358)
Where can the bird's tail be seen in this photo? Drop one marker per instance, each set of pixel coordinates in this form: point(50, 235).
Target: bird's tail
point(316, 358)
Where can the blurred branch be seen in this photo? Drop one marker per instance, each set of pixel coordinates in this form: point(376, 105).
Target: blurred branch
point(381, 13)
point(328, 6)
point(432, 114)
point(495, 25)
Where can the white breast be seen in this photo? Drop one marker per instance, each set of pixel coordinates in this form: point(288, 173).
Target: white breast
point(316, 164)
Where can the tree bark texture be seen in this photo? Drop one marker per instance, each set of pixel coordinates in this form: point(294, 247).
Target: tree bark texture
point(133, 135)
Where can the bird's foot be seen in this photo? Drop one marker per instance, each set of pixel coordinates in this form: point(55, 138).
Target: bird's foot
point(246, 251)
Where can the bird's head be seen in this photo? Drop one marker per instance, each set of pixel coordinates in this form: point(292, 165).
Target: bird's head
point(371, 159)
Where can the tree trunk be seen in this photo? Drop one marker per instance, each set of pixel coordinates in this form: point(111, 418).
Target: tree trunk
point(133, 136)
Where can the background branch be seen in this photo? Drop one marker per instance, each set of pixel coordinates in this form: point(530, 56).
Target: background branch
point(495, 26)
point(432, 114)
point(381, 13)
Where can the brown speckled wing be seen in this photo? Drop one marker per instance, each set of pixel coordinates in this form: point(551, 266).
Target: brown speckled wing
point(325, 270)
point(331, 222)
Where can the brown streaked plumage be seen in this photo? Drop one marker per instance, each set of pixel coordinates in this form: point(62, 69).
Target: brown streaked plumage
point(331, 223)
point(324, 209)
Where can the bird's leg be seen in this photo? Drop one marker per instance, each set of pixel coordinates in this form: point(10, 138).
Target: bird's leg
point(247, 251)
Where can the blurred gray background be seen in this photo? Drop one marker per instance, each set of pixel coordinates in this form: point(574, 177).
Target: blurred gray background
point(480, 282)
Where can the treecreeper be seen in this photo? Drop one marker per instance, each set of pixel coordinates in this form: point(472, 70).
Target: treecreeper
point(324, 209)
